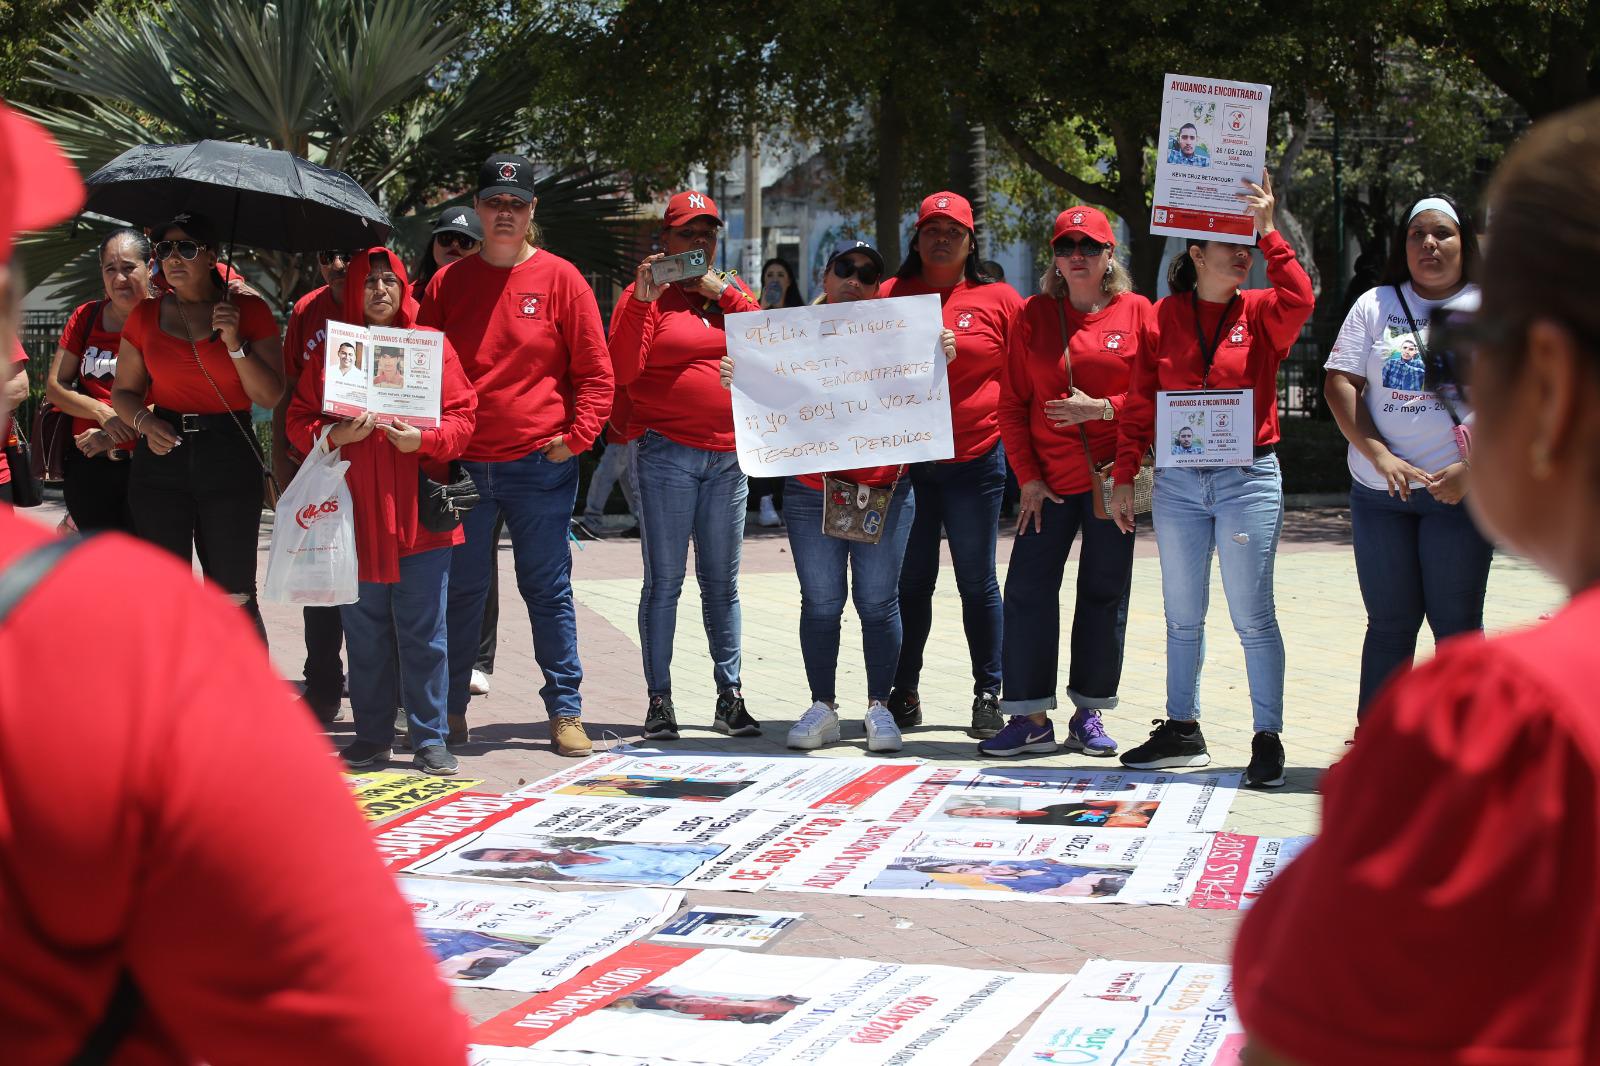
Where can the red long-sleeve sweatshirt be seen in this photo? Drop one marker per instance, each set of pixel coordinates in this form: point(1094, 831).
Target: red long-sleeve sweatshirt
point(1103, 346)
point(1261, 327)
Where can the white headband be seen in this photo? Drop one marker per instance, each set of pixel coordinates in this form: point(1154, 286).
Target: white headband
point(1433, 203)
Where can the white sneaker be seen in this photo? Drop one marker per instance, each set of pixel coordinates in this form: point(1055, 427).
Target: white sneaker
point(818, 726)
point(768, 515)
point(479, 685)
point(882, 733)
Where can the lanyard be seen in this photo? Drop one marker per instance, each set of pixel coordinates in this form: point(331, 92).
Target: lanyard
point(1422, 348)
point(1210, 354)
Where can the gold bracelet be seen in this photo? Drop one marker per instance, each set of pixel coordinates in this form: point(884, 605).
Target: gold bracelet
point(143, 411)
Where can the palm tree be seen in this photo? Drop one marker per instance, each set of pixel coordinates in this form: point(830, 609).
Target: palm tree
point(398, 94)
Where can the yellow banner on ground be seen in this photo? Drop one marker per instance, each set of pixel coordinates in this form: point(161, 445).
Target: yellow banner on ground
point(383, 793)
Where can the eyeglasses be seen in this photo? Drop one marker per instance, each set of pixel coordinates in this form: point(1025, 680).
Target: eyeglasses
point(866, 273)
point(332, 256)
point(188, 250)
point(506, 205)
point(1066, 248)
point(456, 240)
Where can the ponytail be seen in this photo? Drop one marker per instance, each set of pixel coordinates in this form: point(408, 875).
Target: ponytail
point(1181, 273)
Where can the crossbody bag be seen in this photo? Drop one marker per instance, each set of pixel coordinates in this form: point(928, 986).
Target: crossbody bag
point(1100, 479)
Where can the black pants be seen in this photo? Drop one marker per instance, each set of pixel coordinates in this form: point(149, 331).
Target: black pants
point(96, 490)
point(203, 496)
point(324, 672)
point(489, 632)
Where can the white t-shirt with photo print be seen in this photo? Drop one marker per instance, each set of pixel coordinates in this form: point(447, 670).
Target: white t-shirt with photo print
point(1376, 343)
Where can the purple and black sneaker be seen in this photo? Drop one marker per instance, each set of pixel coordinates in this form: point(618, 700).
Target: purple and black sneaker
point(1021, 736)
point(1087, 734)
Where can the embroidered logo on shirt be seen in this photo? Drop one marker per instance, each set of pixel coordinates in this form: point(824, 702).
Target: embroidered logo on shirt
point(529, 303)
point(1236, 335)
point(964, 320)
point(1113, 340)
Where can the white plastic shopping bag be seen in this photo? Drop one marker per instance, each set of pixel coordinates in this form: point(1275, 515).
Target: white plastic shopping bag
point(313, 554)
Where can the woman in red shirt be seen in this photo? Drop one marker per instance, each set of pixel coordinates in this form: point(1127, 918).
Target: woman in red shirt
point(1213, 336)
point(404, 568)
point(960, 496)
point(667, 344)
point(1470, 803)
point(197, 474)
point(96, 466)
point(1059, 422)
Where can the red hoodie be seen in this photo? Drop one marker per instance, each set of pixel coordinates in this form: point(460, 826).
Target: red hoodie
point(1261, 327)
point(382, 478)
point(981, 317)
point(1103, 348)
point(532, 346)
point(668, 355)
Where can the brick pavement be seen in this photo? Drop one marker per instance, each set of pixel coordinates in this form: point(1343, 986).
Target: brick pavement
point(1319, 609)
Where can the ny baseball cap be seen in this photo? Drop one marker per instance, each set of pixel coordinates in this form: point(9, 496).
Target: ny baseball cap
point(38, 186)
point(1083, 222)
point(509, 175)
point(946, 205)
point(845, 247)
point(689, 205)
point(462, 220)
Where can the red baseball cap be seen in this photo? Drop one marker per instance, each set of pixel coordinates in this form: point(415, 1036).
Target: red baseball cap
point(38, 185)
point(1084, 222)
point(946, 205)
point(689, 205)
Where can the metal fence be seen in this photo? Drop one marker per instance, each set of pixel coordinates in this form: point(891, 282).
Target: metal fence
point(41, 333)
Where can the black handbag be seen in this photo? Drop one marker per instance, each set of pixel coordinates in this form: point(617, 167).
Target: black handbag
point(440, 507)
point(25, 488)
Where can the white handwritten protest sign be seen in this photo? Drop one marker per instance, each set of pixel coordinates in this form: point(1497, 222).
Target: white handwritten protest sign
point(1213, 137)
point(839, 386)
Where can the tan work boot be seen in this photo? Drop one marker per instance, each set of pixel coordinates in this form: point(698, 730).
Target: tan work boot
point(459, 735)
point(568, 738)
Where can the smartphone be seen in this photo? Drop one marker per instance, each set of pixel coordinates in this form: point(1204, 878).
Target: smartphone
point(680, 267)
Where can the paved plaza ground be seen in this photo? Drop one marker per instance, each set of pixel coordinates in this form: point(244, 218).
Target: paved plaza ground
point(1319, 609)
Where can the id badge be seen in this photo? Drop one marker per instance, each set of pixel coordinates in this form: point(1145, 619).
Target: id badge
point(1205, 427)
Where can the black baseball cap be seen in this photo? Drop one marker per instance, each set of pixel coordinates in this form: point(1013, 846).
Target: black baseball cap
point(462, 220)
point(845, 247)
point(198, 227)
point(511, 175)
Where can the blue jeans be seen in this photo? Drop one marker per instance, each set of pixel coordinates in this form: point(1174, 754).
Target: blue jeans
point(1415, 558)
point(613, 467)
point(405, 619)
point(536, 497)
point(964, 500)
point(1033, 609)
point(1238, 511)
point(688, 493)
point(821, 562)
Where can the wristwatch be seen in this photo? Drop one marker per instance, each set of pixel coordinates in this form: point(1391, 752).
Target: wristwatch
point(1108, 412)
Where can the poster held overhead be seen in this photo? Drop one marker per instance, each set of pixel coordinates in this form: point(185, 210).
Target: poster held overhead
point(1213, 138)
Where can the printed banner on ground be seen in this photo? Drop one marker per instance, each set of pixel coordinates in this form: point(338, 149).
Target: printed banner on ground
point(653, 844)
point(1031, 796)
point(726, 927)
point(729, 1007)
point(424, 832)
point(768, 783)
point(500, 936)
point(1005, 863)
point(386, 793)
point(1138, 1012)
point(1213, 138)
point(1239, 868)
point(839, 386)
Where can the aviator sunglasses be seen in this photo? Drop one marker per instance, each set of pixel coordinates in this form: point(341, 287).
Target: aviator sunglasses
point(866, 273)
point(185, 249)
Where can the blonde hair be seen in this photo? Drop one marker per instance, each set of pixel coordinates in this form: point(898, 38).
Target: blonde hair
point(1117, 281)
point(534, 238)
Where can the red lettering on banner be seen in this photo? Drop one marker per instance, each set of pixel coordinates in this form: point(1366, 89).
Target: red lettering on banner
point(862, 788)
point(634, 967)
point(421, 833)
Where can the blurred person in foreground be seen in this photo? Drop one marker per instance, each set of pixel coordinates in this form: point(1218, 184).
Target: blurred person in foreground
point(153, 910)
point(1492, 750)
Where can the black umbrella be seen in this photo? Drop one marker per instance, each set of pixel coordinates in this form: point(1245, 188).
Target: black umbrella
point(260, 197)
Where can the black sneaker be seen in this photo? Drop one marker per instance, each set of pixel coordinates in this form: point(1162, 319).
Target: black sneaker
point(1266, 762)
point(906, 706)
point(434, 759)
point(359, 753)
point(1172, 743)
point(731, 717)
point(660, 723)
point(986, 720)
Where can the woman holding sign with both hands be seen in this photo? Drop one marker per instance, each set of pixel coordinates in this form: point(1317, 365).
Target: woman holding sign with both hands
point(866, 564)
point(1213, 336)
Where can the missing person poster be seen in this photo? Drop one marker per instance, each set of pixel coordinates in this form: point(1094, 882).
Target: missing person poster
point(726, 927)
point(1239, 868)
point(739, 1009)
point(1212, 138)
point(839, 386)
point(1205, 427)
point(395, 374)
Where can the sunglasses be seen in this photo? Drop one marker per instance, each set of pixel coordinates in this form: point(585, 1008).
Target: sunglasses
point(506, 205)
point(187, 250)
point(866, 273)
point(456, 240)
point(1066, 248)
point(329, 258)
